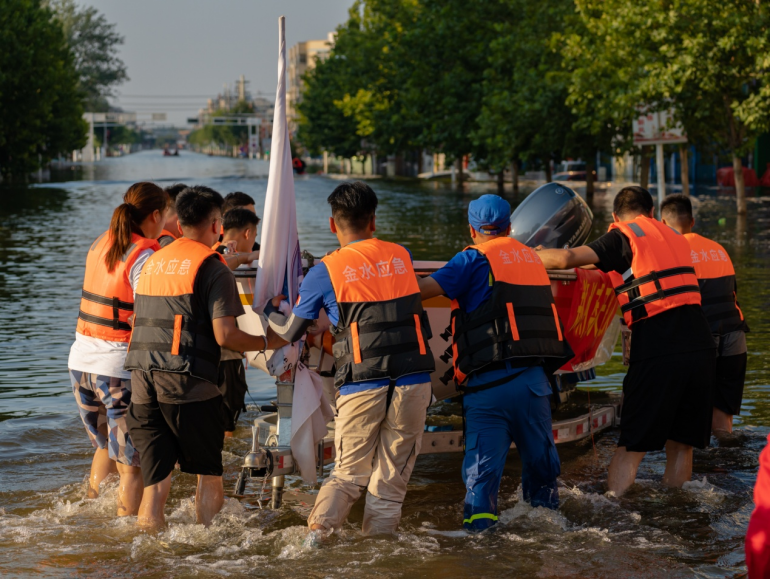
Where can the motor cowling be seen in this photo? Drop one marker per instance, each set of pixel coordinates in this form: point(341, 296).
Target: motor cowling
point(553, 216)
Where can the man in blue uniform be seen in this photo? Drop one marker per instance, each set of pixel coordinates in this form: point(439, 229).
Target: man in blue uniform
point(383, 363)
point(504, 332)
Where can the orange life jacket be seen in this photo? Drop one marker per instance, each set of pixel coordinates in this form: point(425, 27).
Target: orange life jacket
point(661, 276)
point(716, 278)
point(518, 321)
point(382, 331)
point(166, 237)
point(172, 331)
point(108, 299)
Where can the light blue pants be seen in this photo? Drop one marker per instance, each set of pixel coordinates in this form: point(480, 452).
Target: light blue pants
point(518, 411)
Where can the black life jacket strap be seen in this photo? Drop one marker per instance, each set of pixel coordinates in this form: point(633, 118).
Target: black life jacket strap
point(659, 295)
point(187, 325)
point(164, 347)
point(500, 314)
point(508, 337)
point(712, 301)
point(653, 277)
point(382, 351)
point(113, 323)
point(105, 301)
point(375, 327)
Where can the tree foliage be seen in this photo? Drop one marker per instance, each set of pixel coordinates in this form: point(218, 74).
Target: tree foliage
point(538, 81)
point(94, 43)
point(224, 135)
point(705, 60)
point(41, 113)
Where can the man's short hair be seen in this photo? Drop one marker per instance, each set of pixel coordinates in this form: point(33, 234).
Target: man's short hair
point(196, 204)
point(634, 201)
point(353, 205)
point(677, 209)
point(174, 191)
point(239, 219)
point(236, 199)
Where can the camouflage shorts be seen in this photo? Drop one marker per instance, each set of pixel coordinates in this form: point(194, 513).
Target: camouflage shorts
point(103, 403)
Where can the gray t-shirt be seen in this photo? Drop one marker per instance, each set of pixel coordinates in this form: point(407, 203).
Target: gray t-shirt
point(217, 294)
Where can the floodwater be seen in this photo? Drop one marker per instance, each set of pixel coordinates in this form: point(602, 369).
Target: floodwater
point(47, 529)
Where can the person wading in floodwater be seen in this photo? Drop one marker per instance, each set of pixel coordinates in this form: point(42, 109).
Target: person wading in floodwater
point(101, 386)
point(718, 288)
point(668, 392)
point(369, 291)
point(186, 305)
point(504, 331)
point(240, 232)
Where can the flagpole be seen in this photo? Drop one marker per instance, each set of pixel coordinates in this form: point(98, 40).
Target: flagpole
point(285, 383)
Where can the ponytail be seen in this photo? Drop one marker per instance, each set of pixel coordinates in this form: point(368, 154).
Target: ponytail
point(140, 201)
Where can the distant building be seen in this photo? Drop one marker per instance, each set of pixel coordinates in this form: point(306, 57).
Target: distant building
point(303, 57)
point(264, 108)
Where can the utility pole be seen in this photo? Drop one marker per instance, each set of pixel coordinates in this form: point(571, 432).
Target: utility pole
point(660, 166)
point(88, 150)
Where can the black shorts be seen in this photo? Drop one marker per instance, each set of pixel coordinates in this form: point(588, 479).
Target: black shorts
point(730, 376)
point(668, 398)
point(191, 434)
point(232, 385)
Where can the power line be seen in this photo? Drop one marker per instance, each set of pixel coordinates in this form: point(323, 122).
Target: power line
point(180, 96)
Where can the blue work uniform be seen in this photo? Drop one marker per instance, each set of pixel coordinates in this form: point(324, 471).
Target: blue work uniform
point(317, 292)
point(517, 411)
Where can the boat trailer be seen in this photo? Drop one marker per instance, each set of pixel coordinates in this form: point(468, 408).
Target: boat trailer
point(270, 457)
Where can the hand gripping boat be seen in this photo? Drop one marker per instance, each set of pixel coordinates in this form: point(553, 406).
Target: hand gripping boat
point(552, 216)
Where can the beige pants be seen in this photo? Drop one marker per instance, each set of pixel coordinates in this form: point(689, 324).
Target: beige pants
point(375, 452)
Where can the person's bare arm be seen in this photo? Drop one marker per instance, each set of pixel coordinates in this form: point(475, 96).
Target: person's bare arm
point(568, 258)
point(429, 288)
point(229, 336)
point(235, 260)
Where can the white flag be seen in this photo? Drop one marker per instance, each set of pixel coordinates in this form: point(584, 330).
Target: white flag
point(280, 263)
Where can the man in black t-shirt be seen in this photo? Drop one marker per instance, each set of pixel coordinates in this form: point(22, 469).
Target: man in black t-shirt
point(187, 302)
point(669, 388)
point(240, 232)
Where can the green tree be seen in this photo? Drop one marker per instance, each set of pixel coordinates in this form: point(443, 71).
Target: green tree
point(224, 135)
point(41, 111)
point(525, 112)
point(323, 125)
point(705, 60)
point(446, 48)
point(351, 101)
point(94, 43)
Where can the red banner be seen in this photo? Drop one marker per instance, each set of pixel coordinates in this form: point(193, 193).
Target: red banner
point(586, 307)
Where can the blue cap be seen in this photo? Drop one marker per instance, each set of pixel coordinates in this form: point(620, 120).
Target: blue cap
point(489, 210)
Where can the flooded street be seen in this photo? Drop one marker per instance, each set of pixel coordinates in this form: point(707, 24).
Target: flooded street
point(47, 529)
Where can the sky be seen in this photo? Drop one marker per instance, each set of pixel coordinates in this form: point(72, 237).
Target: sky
point(188, 49)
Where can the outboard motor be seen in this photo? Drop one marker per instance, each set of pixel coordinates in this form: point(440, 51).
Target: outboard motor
point(553, 216)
